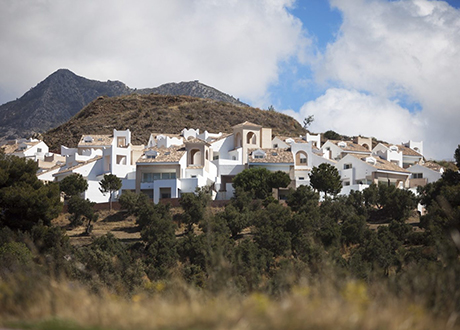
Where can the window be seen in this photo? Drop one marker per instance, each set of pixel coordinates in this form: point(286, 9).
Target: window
point(301, 158)
point(346, 183)
point(347, 166)
point(251, 138)
point(215, 157)
point(150, 177)
point(417, 175)
point(165, 192)
point(275, 145)
point(301, 178)
point(39, 149)
point(258, 156)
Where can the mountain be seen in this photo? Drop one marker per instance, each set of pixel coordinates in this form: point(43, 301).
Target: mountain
point(61, 95)
point(52, 102)
point(145, 114)
point(192, 88)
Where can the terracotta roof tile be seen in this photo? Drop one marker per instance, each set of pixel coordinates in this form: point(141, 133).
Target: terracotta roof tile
point(164, 155)
point(350, 146)
point(296, 139)
point(11, 148)
point(381, 164)
point(97, 140)
point(433, 166)
point(272, 155)
point(405, 150)
point(79, 165)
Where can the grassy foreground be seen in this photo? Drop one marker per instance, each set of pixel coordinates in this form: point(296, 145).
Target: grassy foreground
point(27, 304)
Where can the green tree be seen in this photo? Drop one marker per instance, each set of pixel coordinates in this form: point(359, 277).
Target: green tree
point(260, 181)
point(325, 178)
point(158, 233)
point(74, 184)
point(302, 198)
point(235, 220)
point(132, 202)
point(278, 179)
point(194, 206)
point(109, 184)
point(25, 200)
point(386, 202)
point(331, 135)
point(78, 208)
point(271, 229)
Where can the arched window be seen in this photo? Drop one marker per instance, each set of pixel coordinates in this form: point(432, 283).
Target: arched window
point(195, 157)
point(239, 141)
point(301, 158)
point(366, 146)
point(251, 138)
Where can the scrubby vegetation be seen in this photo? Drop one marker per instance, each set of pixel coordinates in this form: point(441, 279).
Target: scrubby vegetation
point(251, 264)
point(145, 114)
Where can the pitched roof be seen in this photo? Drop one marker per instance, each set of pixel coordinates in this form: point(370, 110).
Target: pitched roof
point(433, 166)
point(350, 146)
point(195, 140)
point(97, 140)
point(246, 123)
point(10, 148)
point(70, 169)
point(223, 136)
point(405, 150)
point(295, 138)
point(408, 151)
point(164, 155)
point(272, 155)
point(381, 164)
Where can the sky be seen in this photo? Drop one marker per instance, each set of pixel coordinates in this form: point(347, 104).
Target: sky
point(379, 68)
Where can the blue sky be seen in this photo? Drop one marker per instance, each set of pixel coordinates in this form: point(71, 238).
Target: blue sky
point(381, 68)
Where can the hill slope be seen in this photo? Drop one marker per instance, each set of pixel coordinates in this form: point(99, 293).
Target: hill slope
point(144, 114)
point(61, 95)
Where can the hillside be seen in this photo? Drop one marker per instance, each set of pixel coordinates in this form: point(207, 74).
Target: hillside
point(61, 95)
point(144, 114)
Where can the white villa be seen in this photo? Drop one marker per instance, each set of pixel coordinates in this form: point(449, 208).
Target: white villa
point(169, 165)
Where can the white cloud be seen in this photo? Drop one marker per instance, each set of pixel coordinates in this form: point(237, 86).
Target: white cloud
point(233, 45)
point(400, 49)
point(352, 113)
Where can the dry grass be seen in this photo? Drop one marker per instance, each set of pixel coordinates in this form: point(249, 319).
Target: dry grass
point(174, 305)
point(121, 226)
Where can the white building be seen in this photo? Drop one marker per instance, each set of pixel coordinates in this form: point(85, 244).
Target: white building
point(97, 155)
point(422, 174)
point(26, 148)
point(358, 171)
point(174, 164)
